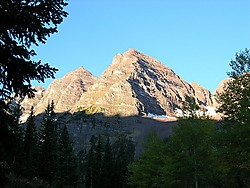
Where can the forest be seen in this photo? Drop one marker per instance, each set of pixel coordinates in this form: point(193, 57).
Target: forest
point(45, 156)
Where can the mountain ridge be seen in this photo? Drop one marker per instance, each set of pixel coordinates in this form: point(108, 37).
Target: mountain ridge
point(133, 84)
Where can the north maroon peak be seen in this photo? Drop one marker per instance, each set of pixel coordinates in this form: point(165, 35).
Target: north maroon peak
point(136, 83)
point(66, 91)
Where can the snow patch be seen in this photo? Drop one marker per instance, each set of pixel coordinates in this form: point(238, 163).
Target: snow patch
point(24, 118)
point(178, 112)
point(156, 116)
point(38, 92)
point(210, 111)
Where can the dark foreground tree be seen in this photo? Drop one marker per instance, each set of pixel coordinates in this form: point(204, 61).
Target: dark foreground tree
point(25, 23)
point(234, 137)
point(16, 130)
point(107, 164)
point(90, 168)
point(123, 151)
point(67, 169)
point(30, 147)
point(95, 161)
point(107, 172)
point(48, 154)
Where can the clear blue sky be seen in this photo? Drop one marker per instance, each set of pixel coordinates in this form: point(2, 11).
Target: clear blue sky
point(195, 38)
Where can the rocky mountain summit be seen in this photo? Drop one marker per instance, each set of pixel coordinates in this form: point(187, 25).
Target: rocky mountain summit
point(137, 84)
point(134, 84)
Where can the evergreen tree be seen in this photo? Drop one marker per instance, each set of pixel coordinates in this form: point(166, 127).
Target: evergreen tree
point(123, 149)
point(82, 157)
point(23, 25)
point(97, 165)
point(67, 171)
point(91, 165)
point(107, 166)
point(48, 145)
point(30, 147)
point(8, 141)
point(17, 131)
point(90, 169)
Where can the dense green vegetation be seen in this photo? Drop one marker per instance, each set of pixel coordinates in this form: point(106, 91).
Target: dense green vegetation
point(201, 152)
point(45, 156)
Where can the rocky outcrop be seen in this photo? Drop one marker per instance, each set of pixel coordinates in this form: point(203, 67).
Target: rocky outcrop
point(202, 95)
point(222, 85)
point(137, 84)
point(65, 92)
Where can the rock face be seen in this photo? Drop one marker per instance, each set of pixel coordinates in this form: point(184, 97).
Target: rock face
point(65, 92)
point(137, 84)
point(202, 95)
point(26, 103)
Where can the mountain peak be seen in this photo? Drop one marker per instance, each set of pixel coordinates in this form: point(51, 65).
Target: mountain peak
point(81, 69)
point(66, 91)
point(134, 84)
point(132, 50)
point(134, 53)
point(79, 72)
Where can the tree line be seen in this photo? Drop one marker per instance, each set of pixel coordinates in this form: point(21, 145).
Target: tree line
point(46, 157)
